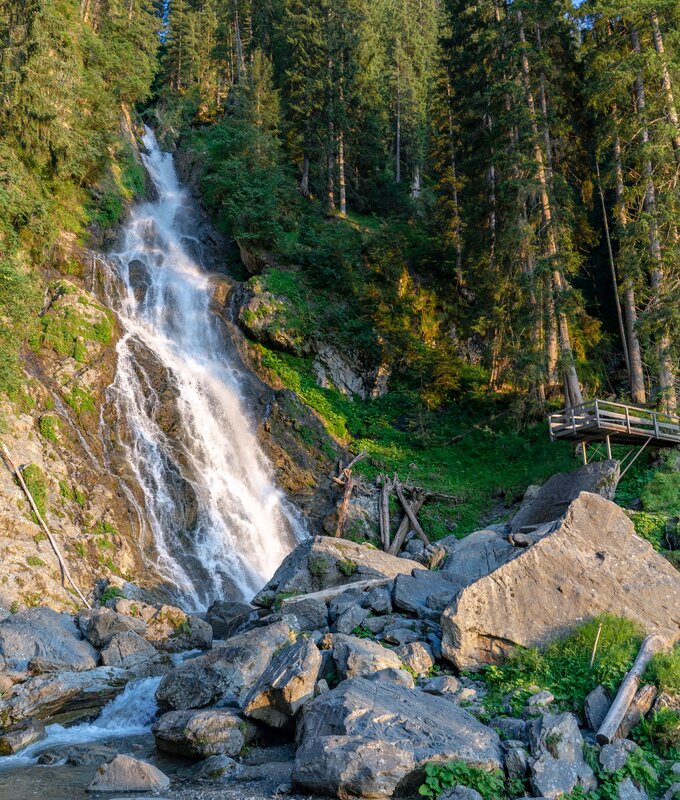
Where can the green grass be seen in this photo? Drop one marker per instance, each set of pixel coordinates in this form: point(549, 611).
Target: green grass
point(563, 667)
point(455, 451)
point(34, 561)
point(48, 426)
point(80, 400)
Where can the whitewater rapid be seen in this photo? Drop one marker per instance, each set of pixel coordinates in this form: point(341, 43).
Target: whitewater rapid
point(218, 522)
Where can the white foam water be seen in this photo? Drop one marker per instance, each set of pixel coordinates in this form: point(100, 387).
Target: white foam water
point(130, 714)
point(217, 519)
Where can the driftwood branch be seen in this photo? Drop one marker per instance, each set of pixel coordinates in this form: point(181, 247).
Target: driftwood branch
point(652, 644)
point(410, 513)
point(639, 708)
point(417, 501)
point(384, 512)
point(326, 595)
point(62, 564)
point(344, 506)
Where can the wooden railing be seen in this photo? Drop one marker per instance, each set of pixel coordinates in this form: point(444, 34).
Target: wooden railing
point(604, 416)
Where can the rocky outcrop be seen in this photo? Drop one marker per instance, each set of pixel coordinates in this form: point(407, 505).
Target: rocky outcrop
point(128, 650)
point(41, 633)
point(20, 736)
point(127, 774)
point(226, 617)
point(371, 739)
point(200, 734)
point(592, 563)
point(100, 625)
point(285, 686)
point(342, 371)
point(551, 501)
point(167, 628)
point(225, 675)
point(324, 562)
point(69, 693)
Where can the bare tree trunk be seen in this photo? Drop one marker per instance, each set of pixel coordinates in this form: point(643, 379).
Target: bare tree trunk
point(240, 64)
point(636, 372)
point(612, 268)
point(397, 165)
point(458, 243)
point(666, 371)
point(666, 84)
point(342, 183)
point(304, 181)
point(571, 382)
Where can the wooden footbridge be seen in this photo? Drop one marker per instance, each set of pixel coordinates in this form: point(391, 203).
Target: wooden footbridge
point(614, 423)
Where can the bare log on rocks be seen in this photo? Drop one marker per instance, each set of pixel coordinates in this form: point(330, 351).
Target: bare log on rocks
point(639, 708)
point(410, 513)
point(344, 506)
point(326, 595)
point(652, 644)
point(418, 497)
point(384, 511)
point(62, 564)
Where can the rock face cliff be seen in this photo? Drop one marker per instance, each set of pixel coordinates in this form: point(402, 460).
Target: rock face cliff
point(53, 430)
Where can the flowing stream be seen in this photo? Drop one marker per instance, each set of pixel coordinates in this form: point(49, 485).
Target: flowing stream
point(220, 526)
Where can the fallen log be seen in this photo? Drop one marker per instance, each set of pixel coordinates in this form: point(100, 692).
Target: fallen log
point(410, 514)
point(384, 512)
point(66, 575)
point(652, 644)
point(344, 506)
point(326, 595)
point(404, 526)
point(639, 708)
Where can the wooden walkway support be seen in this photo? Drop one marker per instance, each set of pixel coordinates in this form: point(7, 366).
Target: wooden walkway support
point(604, 421)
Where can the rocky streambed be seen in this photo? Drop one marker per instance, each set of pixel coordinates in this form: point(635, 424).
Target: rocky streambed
point(341, 678)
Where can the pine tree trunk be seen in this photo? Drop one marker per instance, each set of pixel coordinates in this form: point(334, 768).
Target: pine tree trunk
point(637, 378)
point(342, 185)
point(240, 64)
point(573, 395)
point(454, 190)
point(666, 85)
point(666, 369)
point(397, 166)
point(304, 181)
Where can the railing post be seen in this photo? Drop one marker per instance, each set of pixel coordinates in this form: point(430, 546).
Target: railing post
point(573, 419)
point(597, 414)
point(627, 419)
point(656, 425)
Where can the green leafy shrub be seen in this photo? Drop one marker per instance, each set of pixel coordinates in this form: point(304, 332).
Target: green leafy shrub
point(110, 593)
point(347, 567)
point(439, 777)
point(563, 667)
point(35, 481)
point(49, 428)
point(660, 733)
point(318, 566)
point(651, 527)
point(34, 561)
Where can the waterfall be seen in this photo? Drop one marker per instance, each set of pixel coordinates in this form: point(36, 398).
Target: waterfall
point(220, 526)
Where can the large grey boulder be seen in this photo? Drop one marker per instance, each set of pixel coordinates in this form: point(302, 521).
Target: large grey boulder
point(325, 562)
point(286, 685)
point(553, 499)
point(129, 650)
point(371, 739)
point(476, 555)
point(425, 594)
point(227, 616)
point(558, 766)
point(127, 774)
point(355, 657)
point(311, 614)
point(592, 563)
point(226, 674)
point(41, 633)
point(63, 693)
point(100, 625)
point(200, 734)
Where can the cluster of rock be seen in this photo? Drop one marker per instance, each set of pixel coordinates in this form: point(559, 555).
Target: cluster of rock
point(350, 654)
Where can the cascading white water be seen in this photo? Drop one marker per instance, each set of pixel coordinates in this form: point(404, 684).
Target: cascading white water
point(131, 713)
point(217, 519)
